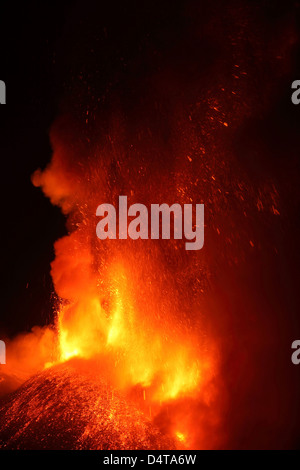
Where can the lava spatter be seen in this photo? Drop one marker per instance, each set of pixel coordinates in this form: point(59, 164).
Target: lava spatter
point(66, 408)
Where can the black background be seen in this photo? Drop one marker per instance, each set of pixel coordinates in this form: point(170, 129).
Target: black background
point(29, 225)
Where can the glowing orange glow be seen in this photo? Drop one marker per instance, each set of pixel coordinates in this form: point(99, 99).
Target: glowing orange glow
point(169, 367)
point(123, 308)
point(180, 436)
point(118, 309)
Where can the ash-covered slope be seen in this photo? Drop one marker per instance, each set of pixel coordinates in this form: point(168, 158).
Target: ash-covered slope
point(64, 408)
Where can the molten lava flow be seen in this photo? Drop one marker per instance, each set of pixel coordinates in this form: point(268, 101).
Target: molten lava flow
point(123, 306)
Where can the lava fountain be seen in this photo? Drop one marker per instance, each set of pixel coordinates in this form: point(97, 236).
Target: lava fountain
point(142, 350)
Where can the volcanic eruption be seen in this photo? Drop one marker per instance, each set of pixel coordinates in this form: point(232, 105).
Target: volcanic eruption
point(153, 346)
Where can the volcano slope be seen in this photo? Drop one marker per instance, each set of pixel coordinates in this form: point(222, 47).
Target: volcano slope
point(64, 408)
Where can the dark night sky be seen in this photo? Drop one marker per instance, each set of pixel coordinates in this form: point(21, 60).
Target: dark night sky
point(43, 47)
point(29, 224)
